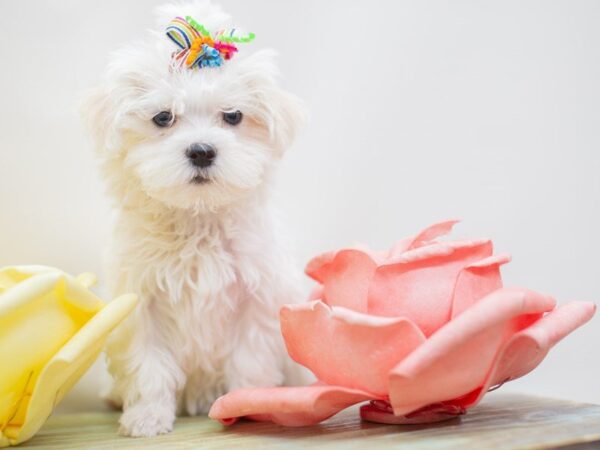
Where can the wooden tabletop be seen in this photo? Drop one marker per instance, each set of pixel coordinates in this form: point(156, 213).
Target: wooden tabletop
point(501, 421)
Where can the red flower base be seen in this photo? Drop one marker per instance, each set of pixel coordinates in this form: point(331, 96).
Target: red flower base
point(380, 411)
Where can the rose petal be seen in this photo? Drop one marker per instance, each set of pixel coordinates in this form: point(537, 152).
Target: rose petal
point(419, 284)
point(476, 281)
point(347, 274)
point(525, 350)
point(424, 237)
point(289, 406)
point(432, 232)
point(317, 267)
point(397, 249)
point(316, 293)
point(345, 348)
point(346, 277)
point(457, 358)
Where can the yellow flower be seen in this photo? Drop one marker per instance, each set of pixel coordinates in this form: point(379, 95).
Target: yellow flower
point(52, 328)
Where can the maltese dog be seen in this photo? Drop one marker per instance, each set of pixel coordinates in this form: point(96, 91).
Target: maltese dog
point(189, 139)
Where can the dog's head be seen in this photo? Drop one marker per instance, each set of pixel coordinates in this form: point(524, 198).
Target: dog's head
point(190, 138)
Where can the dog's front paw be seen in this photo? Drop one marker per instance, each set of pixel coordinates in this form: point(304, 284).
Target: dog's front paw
point(146, 421)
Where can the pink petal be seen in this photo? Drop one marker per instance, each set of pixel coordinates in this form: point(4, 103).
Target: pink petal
point(419, 284)
point(424, 237)
point(525, 350)
point(316, 293)
point(317, 267)
point(432, 232)
point(289, 406)
point(456, 359)
point(476, 281)
point(346, 348)
point(346, 276)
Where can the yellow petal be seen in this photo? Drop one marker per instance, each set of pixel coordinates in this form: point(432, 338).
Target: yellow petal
point(52, 328)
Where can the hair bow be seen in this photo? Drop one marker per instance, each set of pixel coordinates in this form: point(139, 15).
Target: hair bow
point(198, 47)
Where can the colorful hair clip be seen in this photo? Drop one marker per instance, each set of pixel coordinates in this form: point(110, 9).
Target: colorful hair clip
point(199, 48)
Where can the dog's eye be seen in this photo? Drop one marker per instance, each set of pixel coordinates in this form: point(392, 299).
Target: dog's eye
point(163, 119)
point(233, 117)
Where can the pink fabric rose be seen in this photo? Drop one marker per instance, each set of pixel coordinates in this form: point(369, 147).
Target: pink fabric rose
point(422, 331)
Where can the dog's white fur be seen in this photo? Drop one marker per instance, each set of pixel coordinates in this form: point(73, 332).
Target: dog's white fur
point(206, 259)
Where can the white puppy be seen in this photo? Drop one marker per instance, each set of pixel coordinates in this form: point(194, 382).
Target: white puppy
point(189, 156)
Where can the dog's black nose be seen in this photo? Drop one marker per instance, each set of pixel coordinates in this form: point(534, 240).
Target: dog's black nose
point(201, 155)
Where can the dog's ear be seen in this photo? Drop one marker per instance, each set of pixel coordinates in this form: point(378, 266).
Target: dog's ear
point(281, 113)
point(98, 112)
point(288, 116)
point(107, 108)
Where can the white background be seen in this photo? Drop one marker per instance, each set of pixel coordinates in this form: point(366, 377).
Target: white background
point(420, 111)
